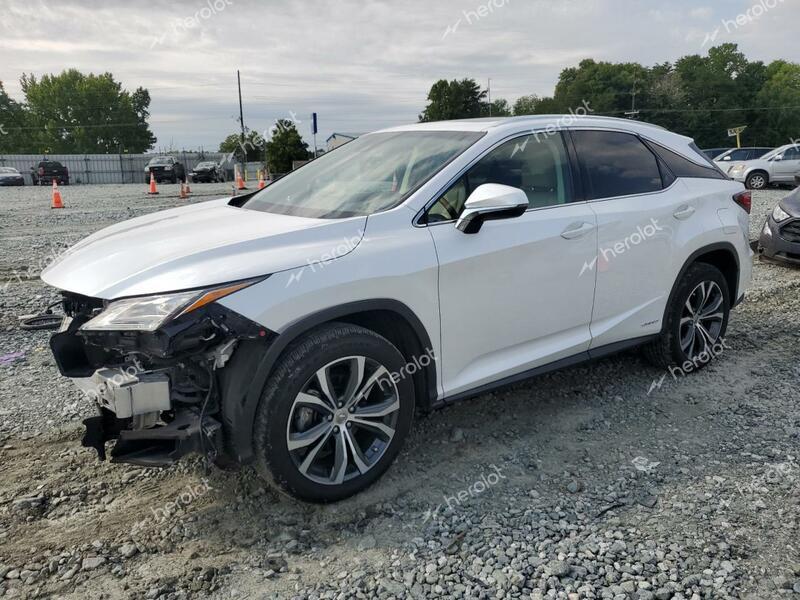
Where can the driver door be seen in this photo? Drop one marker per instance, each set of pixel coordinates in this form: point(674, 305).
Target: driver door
point(518, 293)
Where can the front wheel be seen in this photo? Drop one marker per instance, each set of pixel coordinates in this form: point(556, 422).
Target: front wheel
point(334, 413)
point(756, 181)
point(696, 321)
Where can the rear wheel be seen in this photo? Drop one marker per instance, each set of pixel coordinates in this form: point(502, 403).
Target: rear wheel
point(696, 321)
point(334, 414)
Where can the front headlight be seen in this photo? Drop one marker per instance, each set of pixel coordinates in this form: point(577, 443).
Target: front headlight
point(736, 169)
point(148, 313)
point(779, 214)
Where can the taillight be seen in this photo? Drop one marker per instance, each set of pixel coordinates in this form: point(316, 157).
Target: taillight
point(744, 199)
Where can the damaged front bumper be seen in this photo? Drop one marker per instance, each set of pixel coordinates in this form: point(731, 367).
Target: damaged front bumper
point(157, 394)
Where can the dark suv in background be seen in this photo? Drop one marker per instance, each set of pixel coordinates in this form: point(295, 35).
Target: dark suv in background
point(165, 168)
point(49, 170)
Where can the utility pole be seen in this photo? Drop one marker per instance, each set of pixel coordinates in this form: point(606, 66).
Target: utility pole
point(241, 120)
point(633, 113)
point(489, 94)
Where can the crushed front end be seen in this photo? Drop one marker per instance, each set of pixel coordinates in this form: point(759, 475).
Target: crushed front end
point(153, 367)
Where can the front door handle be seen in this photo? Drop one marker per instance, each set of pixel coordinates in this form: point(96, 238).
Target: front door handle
point(684, 212)
point(576, 230)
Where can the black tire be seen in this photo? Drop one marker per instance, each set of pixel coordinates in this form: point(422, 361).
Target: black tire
point(666, 350)
point(757, 181)
point(293, 373)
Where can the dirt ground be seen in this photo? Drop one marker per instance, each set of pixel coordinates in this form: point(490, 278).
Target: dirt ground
point(613, 479)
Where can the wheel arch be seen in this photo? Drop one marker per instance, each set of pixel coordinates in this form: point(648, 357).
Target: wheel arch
point(721, 255)
point(251, 366)
point(760, 170)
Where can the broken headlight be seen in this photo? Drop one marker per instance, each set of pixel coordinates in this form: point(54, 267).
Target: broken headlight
point(148, 313)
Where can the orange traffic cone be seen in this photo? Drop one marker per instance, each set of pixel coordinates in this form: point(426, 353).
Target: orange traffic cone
point(153, 190)
point(261, 183)
point(184, 193)
point(57, 201)
point(239, 181)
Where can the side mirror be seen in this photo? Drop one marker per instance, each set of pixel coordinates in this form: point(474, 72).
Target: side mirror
point(727, 158)
point(778, 158)
point(491, 201)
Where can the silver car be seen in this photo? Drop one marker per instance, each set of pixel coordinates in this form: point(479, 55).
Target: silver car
point(779, 166)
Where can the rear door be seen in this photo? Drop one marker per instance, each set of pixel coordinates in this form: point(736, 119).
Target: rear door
point(517, 294)
point(641, 211)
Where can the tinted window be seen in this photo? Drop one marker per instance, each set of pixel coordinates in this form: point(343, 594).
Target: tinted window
point(683, 167)
point(792, 154)
point(616, 164)
point(537, 164)
point(740, 154)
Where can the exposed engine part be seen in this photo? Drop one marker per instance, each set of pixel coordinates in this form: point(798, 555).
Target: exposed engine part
point(223, 353)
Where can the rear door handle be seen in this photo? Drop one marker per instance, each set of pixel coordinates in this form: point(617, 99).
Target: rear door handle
point(684, 212)
point(576, 230)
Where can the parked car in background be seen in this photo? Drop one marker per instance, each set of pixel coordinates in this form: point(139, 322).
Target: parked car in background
point(713, 153)
point(780, 166)
point(207, 172)
point(780, 236)
point(48, 171)
point(493, 250)
point(10, 176)
point(165, 168)
point(725, 160)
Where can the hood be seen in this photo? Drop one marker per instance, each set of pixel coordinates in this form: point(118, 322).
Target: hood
point(791, 204)
point(195, 246)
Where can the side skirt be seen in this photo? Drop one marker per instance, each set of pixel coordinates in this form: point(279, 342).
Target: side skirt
point(587, 356)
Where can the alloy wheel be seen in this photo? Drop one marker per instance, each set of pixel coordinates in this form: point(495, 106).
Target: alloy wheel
point(343, 420)
point(701, 319)
point(757, 182)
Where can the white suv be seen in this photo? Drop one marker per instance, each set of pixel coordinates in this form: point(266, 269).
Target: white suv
point(299, 327)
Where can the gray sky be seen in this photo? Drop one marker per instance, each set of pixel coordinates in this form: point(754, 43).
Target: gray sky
point(361, 65)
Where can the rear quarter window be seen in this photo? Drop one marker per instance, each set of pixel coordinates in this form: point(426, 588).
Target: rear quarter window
point(683, 167)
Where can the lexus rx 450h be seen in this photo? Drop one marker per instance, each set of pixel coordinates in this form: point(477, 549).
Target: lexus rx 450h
point(300, 327)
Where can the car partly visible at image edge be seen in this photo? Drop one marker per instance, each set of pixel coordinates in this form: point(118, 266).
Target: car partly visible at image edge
point(299, 328)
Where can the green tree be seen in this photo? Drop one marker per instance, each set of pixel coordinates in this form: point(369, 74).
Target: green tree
point(534, 105)
point(12, 124)
point(285, 146)
point(453, 100)
point(77, 113)
point(782, 89)
point(251, 150)
point(500, 108)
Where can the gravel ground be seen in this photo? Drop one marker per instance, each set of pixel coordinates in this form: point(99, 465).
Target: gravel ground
point(608, 480)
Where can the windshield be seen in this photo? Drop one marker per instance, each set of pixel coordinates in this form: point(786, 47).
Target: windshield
point(205, 165)
point(8, 170)
point(160, 161)
point(372, 173)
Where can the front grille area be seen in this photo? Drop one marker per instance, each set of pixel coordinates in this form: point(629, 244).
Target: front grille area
point(791, 232)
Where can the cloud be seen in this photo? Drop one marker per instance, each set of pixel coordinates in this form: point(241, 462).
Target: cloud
point(360, 65)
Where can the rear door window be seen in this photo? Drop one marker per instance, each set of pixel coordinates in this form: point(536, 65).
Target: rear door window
point(616, 164)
